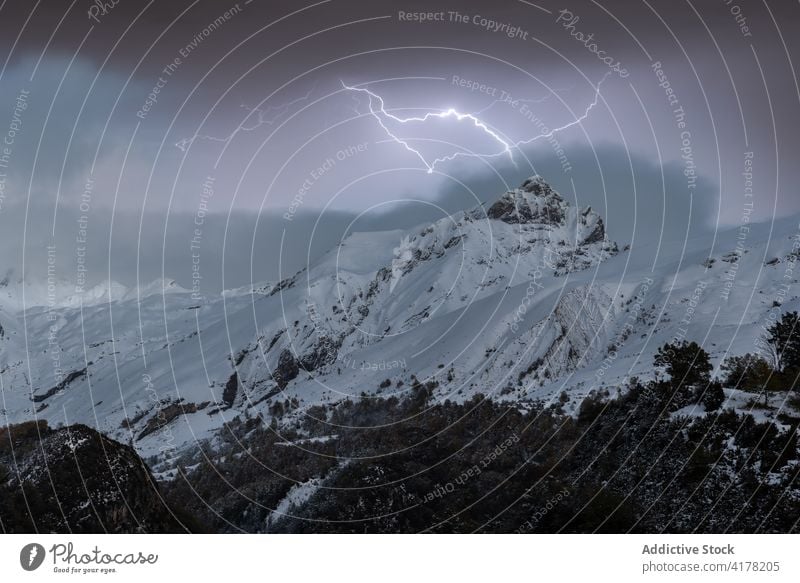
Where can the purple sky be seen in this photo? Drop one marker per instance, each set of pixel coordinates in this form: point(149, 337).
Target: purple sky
point(252, 93)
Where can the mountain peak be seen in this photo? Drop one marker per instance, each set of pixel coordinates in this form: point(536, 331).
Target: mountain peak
point(536, 203)
point(537, 185)
point(533, 202)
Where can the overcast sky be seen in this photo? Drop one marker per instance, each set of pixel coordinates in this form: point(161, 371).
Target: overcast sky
point(153, 112)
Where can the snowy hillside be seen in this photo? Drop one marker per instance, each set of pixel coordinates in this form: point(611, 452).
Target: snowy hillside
point(521, 300)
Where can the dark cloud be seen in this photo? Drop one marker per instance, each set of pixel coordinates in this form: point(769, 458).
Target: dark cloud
point(242, 247)
point(90, 115)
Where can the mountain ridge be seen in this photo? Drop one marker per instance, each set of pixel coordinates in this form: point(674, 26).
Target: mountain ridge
point(521, 301)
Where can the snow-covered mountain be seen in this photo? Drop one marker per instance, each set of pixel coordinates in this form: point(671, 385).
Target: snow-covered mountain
point(18, 294)
point(524, 299)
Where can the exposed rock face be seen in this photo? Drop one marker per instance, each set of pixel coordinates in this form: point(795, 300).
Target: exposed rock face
point(231, 390)
point(592, 227)
point(321, 353)
point(74, 479)
point(536, 203)
point(536, 207)
point(287, 369)
point(165, 414)
point(533, 202)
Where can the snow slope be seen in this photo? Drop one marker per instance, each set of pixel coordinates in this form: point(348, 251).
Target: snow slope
point(522, 300)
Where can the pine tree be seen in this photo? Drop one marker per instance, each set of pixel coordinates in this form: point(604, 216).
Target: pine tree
point(784, 339)
point(713, 397)
point(688, 366)
point(749, 372)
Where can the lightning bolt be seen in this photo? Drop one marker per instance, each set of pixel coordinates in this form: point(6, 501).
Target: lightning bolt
point(33, 553)
point(576, 121)
point(380, 113)
point(257, 116)
point(375, 98)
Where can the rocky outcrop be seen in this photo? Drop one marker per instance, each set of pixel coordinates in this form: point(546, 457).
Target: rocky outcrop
point(287, 369)
point(533, 202)
point(321, 353)
point(74, 479)
point(591, 227)
point(536, 203)
point(74, 375)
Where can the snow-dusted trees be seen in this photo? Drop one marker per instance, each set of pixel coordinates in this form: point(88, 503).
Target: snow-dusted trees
point(783, 337)
point(689, 369)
